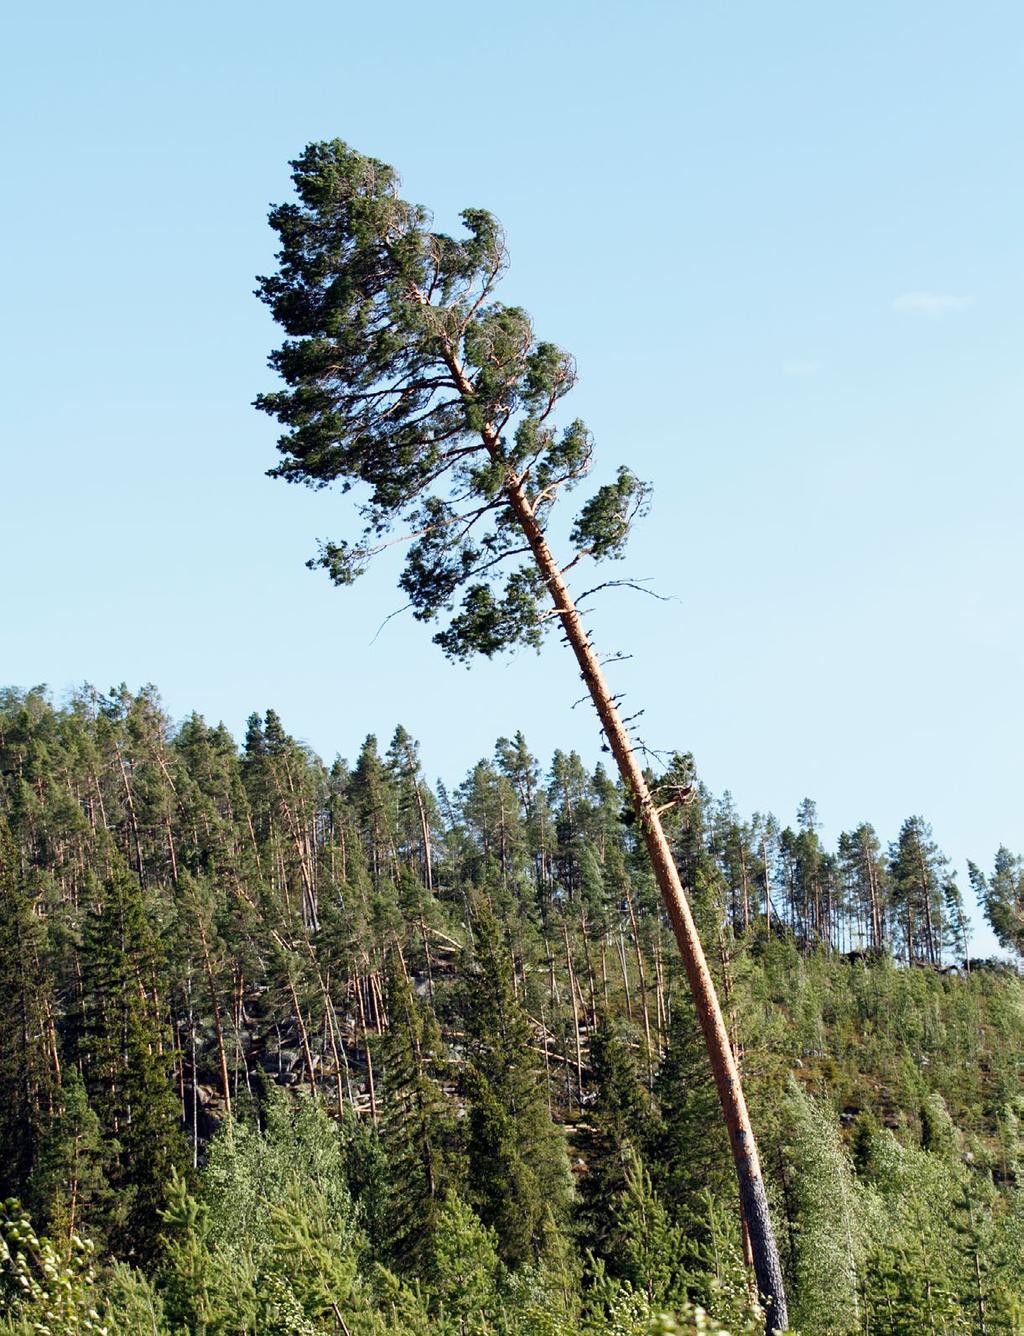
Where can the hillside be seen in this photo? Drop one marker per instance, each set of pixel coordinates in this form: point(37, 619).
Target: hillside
point(313, 1048)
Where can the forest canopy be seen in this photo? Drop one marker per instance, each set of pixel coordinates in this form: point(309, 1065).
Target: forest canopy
point(308, 1047)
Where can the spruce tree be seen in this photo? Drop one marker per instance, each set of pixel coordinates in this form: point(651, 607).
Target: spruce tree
point(417, 1127)
point(649, 1248)
point(464, 1272)
point(70, 1186)
point(27, 1059)
point(688, 1150)
point(519, 1179)
point(617, 1127)
point(123, 1052)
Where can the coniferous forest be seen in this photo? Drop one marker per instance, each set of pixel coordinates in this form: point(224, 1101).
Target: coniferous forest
point(291, 1047)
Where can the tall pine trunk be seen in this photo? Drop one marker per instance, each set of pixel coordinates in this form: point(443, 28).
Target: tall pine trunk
point(753, 1198)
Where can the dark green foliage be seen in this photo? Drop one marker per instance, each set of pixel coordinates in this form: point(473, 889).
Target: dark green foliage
point(649, 1250)
point(407, 378)
point(262, 956)
point(518, 1170)
point(688, 1147)
point(1002, 898)
point(604, 522)
point(464, 1274)
point(417, 1129)
point(918, 873)
point(27, 1073)
point(70, 1182)
point(122, 1052)
point(618, 1126)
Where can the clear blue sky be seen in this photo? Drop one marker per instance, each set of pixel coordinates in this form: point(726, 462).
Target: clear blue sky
point(784, 242)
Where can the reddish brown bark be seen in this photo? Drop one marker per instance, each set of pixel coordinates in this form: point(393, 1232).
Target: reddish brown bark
point(753, 1198)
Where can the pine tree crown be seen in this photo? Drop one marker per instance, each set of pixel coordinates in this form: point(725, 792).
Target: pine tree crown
point(405, 375)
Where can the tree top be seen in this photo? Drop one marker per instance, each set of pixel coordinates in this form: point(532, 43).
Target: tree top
point(405, 375)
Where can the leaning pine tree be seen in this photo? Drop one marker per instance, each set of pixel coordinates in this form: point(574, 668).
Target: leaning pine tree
point(405, 375)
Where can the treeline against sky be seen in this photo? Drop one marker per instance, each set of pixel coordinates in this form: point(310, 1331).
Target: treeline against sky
point(291, 1047)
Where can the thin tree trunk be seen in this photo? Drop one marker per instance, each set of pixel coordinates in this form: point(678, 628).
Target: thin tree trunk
point(767, 889)
point(218, 1029)
point(180, 1055)
point(730, 1092)
point(926, 897)
point(591, 986)
point(625, 973)
point(659, 983)
point(237, 1017)
point(425, 938)
point(52, 1047)
point(133, 819)
point(876, 920)
point(575, 1016)
point(428, 860)
point(379, 1009)
point(170, 850)
point(333, 1038)
point(195, 1081)
point(553, 989)
point(642, 973)
point(547, 1058)
point(371, 1090)
point(255, 843)
point(307, 1052)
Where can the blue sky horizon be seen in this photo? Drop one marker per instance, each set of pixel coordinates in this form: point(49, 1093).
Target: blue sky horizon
point(784, 245)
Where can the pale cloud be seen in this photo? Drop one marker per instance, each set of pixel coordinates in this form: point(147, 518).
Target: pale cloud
point(929, 303)
point(799, 368)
